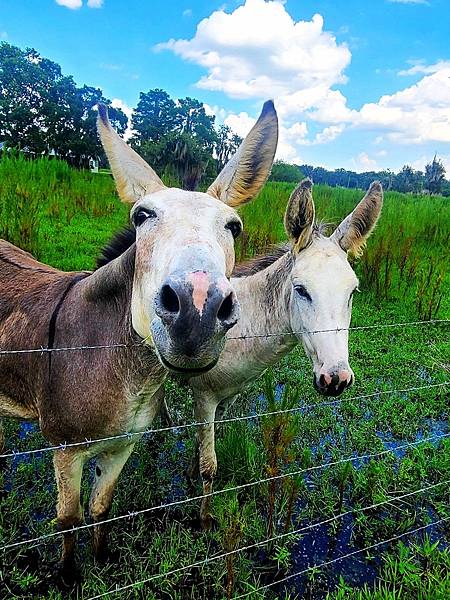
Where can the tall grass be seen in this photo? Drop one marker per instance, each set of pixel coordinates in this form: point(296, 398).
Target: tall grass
point(39, 199)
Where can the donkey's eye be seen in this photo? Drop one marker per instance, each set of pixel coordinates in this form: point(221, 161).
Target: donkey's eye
point(302, 292)
point(142, 215)
point(235, 227)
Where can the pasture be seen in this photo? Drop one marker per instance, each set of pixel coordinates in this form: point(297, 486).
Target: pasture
point(395, 418)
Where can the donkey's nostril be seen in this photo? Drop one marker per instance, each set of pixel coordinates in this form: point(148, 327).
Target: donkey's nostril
point(169, 299)
point(322, 380)
point(226, 308)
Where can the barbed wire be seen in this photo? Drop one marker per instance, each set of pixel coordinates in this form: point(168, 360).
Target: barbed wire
point(133, 514)
point(343, 557)
point(132, 434)
point(44, 350)
point(296, 532)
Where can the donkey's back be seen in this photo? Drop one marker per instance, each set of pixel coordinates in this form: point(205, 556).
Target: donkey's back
point(30, 293)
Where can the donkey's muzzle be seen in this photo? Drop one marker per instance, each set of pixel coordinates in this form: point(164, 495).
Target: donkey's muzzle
point(195, 311)
point(334, 383)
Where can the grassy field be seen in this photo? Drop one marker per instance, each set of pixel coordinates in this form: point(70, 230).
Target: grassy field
point(64, 217)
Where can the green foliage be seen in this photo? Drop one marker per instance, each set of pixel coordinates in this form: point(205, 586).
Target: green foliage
point(43, 111)
point(283, 171)
point(174, 137)
point(435, 175)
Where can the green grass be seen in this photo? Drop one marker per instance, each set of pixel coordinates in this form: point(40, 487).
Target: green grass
point(64, 217)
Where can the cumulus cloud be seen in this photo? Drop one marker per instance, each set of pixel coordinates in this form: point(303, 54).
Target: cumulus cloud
point(278, 57)
point(75, 4)
point(363, 163)
point(300, 64)
point(416, 114)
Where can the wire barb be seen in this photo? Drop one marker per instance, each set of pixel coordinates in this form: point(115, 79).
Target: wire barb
point(351, 459)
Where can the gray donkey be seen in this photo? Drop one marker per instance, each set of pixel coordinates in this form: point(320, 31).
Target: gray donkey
point(167, 299)
point(303, 286)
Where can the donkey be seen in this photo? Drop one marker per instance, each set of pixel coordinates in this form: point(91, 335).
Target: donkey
point(167, 300)
point(304, 286)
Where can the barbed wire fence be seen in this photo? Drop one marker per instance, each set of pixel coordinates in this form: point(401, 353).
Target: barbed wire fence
point(302, 408)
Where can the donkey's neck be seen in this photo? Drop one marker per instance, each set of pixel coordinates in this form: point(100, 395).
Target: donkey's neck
point(265, 320)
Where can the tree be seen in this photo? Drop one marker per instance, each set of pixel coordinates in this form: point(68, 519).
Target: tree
point(283, 171)
point(43, 111)
point(435, 176)
point(154, 117)
point(226, 145)
point(408, 180)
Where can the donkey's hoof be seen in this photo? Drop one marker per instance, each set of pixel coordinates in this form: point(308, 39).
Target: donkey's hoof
point(67, 574)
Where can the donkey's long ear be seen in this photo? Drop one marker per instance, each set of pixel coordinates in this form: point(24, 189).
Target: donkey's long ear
point(352, 233)
point(299, 215)
point(134, 177)
point(247, 171)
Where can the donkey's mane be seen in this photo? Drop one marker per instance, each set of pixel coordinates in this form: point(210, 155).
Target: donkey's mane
point(121, 241)
point(262, 261)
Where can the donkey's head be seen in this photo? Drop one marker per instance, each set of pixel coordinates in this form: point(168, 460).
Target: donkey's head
point(182, 301)
point(323, 282)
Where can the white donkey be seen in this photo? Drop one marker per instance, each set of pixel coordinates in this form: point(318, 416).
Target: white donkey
point(306, 285)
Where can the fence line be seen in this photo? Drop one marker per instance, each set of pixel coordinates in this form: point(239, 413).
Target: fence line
point(44, 350)
point(343, 557)
point(278, 537)
point(132, 514)
point(132, 434)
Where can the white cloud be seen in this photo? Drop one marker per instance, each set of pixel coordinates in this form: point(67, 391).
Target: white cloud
point(275, 58)
point(187, 12)
point(363, 163)
point(75, 4)
point(421, 67)
point(118, 103)
point(417, 114)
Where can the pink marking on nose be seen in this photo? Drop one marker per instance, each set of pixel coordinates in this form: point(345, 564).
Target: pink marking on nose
point(327, 378)
point(344, 375)
point(200, 284)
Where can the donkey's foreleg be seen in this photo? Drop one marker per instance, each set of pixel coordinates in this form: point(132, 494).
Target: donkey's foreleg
point(107, 470)
point(68, 470)
point(205, 411)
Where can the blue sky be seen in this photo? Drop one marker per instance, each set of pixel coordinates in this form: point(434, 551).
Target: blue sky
point(358, 84)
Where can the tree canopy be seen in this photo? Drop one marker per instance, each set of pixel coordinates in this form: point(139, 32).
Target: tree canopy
point(43, 111)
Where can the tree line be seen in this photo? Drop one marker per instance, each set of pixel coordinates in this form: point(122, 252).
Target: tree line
point(44, 112)
point(407, 180)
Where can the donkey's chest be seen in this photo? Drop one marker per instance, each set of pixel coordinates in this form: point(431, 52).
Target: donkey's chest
point(142, 408)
